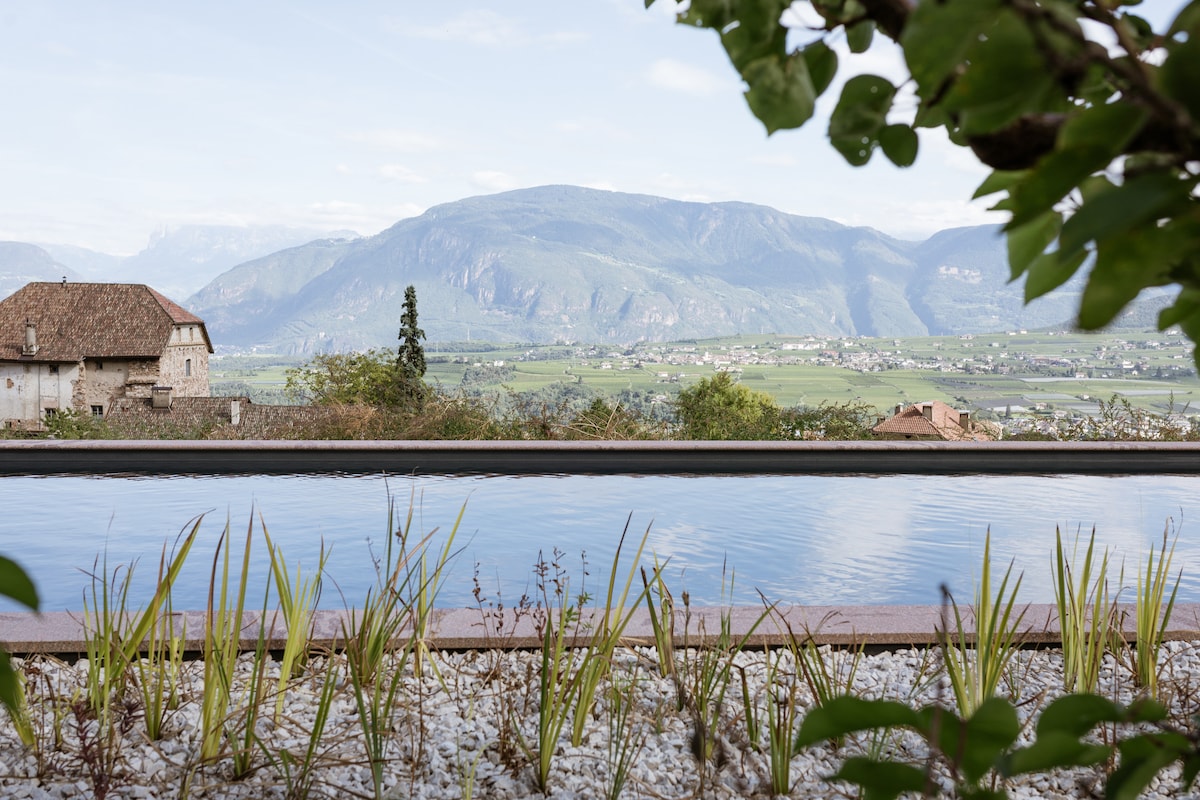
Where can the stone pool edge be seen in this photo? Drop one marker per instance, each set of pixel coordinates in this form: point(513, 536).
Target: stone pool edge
point(879, 627)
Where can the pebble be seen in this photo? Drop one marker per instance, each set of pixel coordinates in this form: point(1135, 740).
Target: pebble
point(453, 733)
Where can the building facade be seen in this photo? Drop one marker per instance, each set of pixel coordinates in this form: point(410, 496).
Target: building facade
point(82, 346)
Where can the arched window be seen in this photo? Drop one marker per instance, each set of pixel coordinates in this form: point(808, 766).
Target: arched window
point(187, 367)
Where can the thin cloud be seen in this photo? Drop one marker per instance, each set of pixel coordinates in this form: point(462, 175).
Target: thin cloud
point(401, 174)
point(472, 27)
point(676, 76)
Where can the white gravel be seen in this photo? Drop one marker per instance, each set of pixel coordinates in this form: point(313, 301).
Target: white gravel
point(456, 731)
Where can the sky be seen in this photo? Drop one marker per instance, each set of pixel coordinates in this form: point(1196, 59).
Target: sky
point(124, 118)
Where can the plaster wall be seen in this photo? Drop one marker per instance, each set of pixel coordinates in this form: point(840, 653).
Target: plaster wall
point(27, 389)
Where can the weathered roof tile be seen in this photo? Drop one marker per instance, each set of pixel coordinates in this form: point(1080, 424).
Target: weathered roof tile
point(75, 321)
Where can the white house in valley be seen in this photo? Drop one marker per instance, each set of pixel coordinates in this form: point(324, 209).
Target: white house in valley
point(82, 346)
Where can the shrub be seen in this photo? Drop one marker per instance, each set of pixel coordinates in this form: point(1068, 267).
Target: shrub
point(718, 408)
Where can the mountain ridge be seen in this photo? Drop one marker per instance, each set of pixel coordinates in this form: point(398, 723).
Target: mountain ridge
point(572, 264)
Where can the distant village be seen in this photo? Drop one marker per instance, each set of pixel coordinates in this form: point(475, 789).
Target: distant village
point(1111, 360)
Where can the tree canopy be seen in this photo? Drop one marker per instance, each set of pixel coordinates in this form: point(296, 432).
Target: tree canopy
point(1088, 115)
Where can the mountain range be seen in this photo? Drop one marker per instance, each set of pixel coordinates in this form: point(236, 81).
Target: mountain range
point(570, 264)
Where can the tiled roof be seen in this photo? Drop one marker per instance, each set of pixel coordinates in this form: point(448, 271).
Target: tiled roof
point(913, 422)
point(91, 320)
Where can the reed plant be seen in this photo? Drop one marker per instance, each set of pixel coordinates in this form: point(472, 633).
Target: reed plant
point(241, 723)
point(783, 713)
point(114, 638)
point(625, 739)
point(395, 614)
point(375, 703)
point(975, 672)
point(299, 771)
point(426, 587)
point(1087, 616)
point(561, 665)
point(298, 599)
point(1152, 616)
point(706, 676)
point(825, 677)
point(606, 632)
point(662, 618)
point(222, 639)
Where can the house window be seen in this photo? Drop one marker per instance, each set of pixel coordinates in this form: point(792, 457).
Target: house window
point(97, 411)
point(51, 412)
point(187, 367)
point(99, 365)
point(54, 369)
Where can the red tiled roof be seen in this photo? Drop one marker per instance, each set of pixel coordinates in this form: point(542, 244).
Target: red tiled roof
point(91, 320)
point(913, 422)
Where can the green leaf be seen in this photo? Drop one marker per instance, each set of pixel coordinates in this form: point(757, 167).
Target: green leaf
point(1142, 758)
point(881, 780)
point(1191, 768)
point(1118, 209)
point(860, 116)
point(1187, 20)
point(999, 181)
point(1087, 143)
point(10, 688)
point(937, 37)
point(1179, 75)
point(1187, 304)
point(822, 65)
point(1112, 126)
point(1006, 76)
point(899, 143)
point(1051, 180)
point(1030, 240)
point(1124, 266)
point(842, 715)
point(15, 583)
point(979, 741)
point(781, 93)
point(1054, 750)
point(859, 35)
point(1049, 271)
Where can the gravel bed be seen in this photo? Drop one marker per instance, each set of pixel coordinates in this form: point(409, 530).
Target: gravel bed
point(456, 731)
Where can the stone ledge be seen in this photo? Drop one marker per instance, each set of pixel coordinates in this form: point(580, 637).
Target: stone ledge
point(880, 627)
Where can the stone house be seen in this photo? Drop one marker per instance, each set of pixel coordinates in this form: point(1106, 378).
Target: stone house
point(934, 421)
point(83, 346)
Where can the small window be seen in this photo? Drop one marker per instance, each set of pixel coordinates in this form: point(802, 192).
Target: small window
point(99, 365)
point(187, 367)
point(54, 369)
point(51, 412)
point(191, 333)
point(97, 411)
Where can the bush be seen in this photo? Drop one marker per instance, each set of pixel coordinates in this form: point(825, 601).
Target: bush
point(718, 408)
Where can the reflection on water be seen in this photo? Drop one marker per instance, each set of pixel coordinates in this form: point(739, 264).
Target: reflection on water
point(796, 539)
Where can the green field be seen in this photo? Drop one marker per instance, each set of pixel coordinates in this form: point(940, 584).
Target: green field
point(1065, 371)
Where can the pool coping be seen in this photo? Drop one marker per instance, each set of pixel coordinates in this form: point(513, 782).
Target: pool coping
point(878, 627)
point(876, 457)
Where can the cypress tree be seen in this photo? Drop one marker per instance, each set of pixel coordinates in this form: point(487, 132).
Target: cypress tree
point(412, 355)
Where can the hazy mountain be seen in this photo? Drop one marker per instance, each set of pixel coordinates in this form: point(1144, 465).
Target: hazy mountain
point(22, 263)
point(178, 261)
point(89, 264)
point(561, 263)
